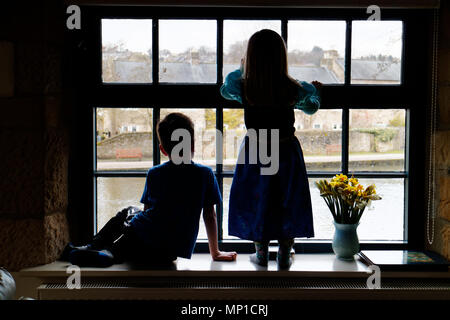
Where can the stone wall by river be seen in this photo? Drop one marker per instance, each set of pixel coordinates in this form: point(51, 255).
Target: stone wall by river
point(313, 142)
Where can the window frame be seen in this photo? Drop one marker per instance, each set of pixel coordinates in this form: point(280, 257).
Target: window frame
point(409, 95)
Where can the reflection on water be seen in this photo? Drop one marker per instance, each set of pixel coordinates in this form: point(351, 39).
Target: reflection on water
point(384, 221)
point(114, 194)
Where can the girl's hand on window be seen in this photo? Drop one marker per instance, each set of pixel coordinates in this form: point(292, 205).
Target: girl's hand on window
point(317, 84)
point(224, 256)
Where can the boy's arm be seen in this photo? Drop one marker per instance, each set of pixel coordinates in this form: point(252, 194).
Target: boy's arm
point(210, 219)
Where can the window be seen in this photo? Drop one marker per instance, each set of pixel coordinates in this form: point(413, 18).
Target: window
point(187, 51)
point(337, 126)
point(126, 50)
point(160, 60)
point(113, 193)
point(124, 147)
point(377, 140)
point(235, 38)
point(321, 144)
point(317, 50)
point(376, 52)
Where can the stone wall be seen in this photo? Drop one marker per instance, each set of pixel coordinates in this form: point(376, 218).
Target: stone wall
point(441, 242)
point(315, 142)
point(33, 136)
point(106, 149)
point(312, 141)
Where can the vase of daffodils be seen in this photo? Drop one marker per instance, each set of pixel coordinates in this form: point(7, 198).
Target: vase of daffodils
point(347, 199)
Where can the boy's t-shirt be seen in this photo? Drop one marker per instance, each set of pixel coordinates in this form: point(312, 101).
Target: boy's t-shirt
point(176, 195)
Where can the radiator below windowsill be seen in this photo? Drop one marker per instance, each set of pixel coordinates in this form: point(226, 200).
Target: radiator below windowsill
point(312, 276)
point(249, 289)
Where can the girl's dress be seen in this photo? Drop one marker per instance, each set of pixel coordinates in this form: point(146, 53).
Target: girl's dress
point(271, 207)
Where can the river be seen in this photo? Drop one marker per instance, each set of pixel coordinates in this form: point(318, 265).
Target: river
point(383, 221)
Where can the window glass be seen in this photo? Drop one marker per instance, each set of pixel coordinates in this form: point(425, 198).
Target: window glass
point(376, 52)
point(187, 51)
point(377, 140)
point(373, 224)
point(127, 50)
point(320, 137)
point(124, 138)
point(236, 34)
point(115, 194)
point(384, 220)
point(226, 200)
point(202, 234)
point(316, 50)
point(233, 133)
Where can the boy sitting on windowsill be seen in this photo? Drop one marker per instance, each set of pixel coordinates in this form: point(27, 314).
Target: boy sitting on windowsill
point(174, 197)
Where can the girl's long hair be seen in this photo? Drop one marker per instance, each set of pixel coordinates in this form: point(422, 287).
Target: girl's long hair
point(265, 78)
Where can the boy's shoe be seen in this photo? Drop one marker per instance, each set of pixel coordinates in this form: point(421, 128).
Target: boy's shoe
point(91, 258)
point(65, 255)
point(259, 261)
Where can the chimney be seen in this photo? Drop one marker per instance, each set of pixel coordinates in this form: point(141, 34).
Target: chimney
point(329, 61)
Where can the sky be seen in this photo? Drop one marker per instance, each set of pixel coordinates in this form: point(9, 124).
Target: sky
point(368, 37)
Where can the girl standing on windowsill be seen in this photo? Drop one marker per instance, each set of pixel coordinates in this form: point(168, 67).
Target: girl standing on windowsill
point(270, 207)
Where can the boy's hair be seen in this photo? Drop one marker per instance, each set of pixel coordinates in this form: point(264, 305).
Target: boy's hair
point(168, 125)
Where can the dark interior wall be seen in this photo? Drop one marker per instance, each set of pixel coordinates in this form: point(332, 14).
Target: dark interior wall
point(441, 227)
point(34, 136)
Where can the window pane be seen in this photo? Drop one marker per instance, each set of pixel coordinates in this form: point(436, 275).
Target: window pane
point(205, 134)
point(235, 38)
point(384, 221)
point(233, 133)
point(373, 224)
point(226, 200)
point(316, 50)
point(320, 136)
point(377, 140)
point(202, 235)
point(376, 52)
point(114, 194)
point(124, 138)
point(127, 50)
point(187, 51)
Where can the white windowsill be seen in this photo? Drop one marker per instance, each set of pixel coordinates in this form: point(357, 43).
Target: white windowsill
point(305, 265)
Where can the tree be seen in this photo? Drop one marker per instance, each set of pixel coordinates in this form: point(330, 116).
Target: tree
point(206, 55)
point(397, 121)
point(303, 57)
point(210, 118)
point(236, 52)
point(233, 118)
point(316, 55)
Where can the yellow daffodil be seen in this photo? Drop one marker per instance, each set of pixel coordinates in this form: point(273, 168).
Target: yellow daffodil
point(346, 198)
point(340, 178)
point(353, 181)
